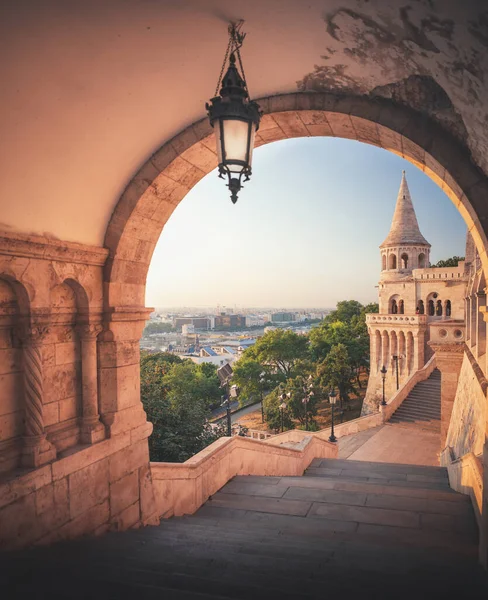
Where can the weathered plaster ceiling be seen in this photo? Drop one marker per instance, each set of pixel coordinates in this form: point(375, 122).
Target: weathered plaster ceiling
point(90, 89)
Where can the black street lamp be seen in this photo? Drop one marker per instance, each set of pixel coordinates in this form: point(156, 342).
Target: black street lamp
point(395, 358)
point(234, 117)
point(282, 408)
point(332, 400)
point(383, 376)
point(308, 394)
point(261, 384)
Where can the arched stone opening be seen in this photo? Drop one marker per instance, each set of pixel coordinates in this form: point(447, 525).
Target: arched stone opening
point(448, 308)
point(421, 261)
point(12, 421)
point(401, 307)
point(383, 262)
point(404, 261)
point(420, 308)
point(392, 261)
point(179, 164)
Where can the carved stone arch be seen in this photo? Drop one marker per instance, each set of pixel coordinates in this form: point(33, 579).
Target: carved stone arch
point(14, 312)
point(163, 181)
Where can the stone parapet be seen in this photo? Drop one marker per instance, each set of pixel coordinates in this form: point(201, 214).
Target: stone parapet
point(181, 488)
point(396, 320)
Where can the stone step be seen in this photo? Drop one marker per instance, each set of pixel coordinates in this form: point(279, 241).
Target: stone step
point(354, 465)
point(402, 418)
point(376, 486)
point(412, 410)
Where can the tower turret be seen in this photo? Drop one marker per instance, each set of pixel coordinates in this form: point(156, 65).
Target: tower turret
point(404, 248)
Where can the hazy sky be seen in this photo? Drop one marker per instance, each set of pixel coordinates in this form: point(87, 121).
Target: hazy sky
point(304, 233)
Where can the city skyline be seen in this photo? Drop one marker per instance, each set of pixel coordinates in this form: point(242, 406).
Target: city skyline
point(285, 244)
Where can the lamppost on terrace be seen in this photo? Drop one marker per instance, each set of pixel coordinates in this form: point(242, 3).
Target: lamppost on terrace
point(282, 408)
point(332, 400)
point(383, 372)
point(261, 384)
point(308, 390)
point(395, 358)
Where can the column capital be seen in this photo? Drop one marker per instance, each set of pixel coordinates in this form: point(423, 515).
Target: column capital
point(89, 331)
point(32, 335)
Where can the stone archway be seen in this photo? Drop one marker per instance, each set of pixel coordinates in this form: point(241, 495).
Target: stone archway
point(164, 180)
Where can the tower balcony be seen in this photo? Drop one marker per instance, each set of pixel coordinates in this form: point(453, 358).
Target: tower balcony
point(396, 320)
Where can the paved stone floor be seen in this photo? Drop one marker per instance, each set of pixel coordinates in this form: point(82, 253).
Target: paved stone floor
point(398, 443)
point(346, 529)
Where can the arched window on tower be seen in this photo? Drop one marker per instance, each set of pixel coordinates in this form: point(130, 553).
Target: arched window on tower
point(404, 261)
point(393, 307)
point(401, 308)
point(448, 308)
point(438, 309)
point(393, 261)
point(383, 262)
point(421, 260)
point(420, 307)
point(431, 308)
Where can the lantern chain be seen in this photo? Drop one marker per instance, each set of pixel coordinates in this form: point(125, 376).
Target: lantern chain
point(235, 42)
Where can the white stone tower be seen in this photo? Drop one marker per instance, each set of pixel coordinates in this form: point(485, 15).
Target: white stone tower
point(398, 334)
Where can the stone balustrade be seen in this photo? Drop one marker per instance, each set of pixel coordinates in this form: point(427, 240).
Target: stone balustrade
point(447, 332)
point(181, 488)
point(396, 320)
point(465, 476)
point(395, 401)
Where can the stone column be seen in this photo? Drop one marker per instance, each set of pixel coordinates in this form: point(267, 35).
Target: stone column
point(37, 450)
point(385, 350)
point(92, 429)
point(467, 316)
point(449, 358)
point(419, 350)
point(480, 324)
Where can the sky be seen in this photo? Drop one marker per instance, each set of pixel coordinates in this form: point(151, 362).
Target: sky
point(304, 233)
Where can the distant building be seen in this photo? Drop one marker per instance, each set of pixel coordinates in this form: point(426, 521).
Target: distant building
point(224, 321)
point(197, 322)
point(282, 317)
point(187, 329)
point(254, 321)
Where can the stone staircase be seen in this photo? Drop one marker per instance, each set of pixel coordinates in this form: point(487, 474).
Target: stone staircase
point(422, 407)
point(347, 529)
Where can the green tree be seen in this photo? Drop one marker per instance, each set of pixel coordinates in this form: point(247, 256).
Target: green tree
point(448, 262)
point(345, 311)
point(296, 390)
point(157, 327)
point(279, 351)
point(335, 371)
point(273, 414)
point(177, 395)
point(251, 378)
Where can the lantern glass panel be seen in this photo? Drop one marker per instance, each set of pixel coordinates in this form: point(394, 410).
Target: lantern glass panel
point(218, 139)
point(236, 134)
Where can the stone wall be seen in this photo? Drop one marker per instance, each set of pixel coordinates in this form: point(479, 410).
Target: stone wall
point(102, 487)
point(468, 419)
point(73, 434)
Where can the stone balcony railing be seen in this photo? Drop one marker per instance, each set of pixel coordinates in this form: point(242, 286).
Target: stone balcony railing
point(447, 332)
point(396, 320)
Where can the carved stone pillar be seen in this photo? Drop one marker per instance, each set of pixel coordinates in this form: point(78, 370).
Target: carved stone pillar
point(419, 350)
point(37, 450)
point(92, 429)
point(480, 324)
point(449, 358)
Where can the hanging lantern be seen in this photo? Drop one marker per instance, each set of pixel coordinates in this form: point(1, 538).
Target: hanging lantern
point(234, 117)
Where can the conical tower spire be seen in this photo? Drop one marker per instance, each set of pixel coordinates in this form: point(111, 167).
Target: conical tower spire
point(404, 229)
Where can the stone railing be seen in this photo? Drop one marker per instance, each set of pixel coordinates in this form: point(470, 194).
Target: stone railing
point(395, 401)
point(181, 488)
point(396, 320)
point(256, 434)
point(295, 436)
point(466, 477)
point(447, 332)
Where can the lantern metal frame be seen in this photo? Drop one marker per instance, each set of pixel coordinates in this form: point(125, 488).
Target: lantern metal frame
point(232, 103)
